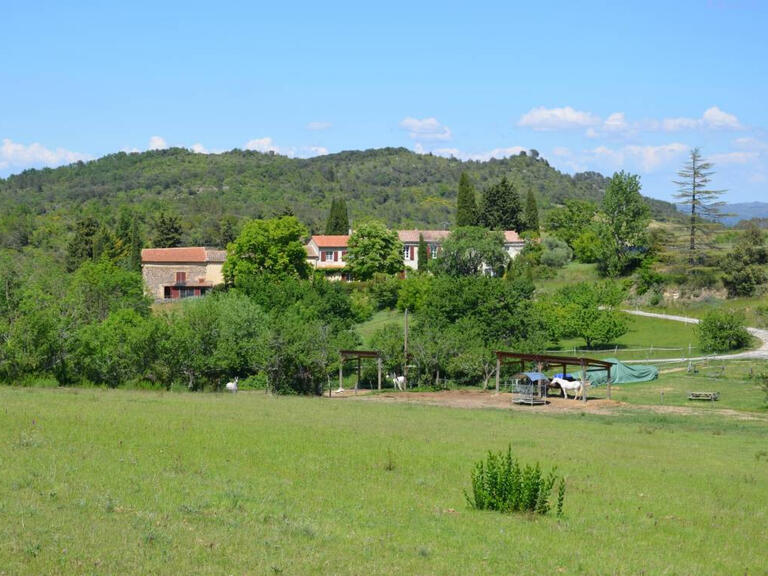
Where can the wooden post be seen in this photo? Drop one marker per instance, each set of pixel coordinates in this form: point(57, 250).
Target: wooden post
point(405, 352)
point(609, 382)
point(341, 373)
point(498, 372)
point(583, 382)
point(378, 369)
point(357, 382)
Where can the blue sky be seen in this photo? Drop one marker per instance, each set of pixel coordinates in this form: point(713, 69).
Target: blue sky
point(591, 85)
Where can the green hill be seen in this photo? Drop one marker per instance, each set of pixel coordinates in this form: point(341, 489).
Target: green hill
point(396, 185)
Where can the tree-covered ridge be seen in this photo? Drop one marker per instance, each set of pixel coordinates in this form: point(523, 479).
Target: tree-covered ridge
point(405, 189)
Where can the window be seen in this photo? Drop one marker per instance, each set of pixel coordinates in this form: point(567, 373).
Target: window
point(181, 277)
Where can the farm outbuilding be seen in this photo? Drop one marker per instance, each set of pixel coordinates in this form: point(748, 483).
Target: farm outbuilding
point(546, 361)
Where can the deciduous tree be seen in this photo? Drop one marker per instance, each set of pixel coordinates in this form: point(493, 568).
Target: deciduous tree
point(373, 249)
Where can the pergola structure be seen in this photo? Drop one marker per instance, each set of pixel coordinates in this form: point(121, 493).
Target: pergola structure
point(358, 355)
point(546, 359)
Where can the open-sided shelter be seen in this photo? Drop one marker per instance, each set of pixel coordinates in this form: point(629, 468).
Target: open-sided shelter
point(548, 360)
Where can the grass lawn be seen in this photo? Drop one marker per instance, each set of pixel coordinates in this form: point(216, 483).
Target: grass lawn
point(118, 482)
point(738, 390)
point(571, 274)
point(379, 320)
point(645, 332)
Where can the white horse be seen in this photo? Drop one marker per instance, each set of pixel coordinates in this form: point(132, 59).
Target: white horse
point(398, 381)
point(231, 386)
point(567, 386)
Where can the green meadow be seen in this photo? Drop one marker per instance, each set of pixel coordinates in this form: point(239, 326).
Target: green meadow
point(126, 482)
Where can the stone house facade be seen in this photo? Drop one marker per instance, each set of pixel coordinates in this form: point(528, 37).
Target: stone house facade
point(174, 273)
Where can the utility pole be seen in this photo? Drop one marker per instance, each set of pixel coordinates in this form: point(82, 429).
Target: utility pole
point(405, 351)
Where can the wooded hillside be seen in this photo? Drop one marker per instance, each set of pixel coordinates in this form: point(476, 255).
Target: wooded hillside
point(400, 187)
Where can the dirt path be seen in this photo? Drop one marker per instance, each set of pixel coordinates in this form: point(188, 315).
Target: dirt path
point(485, 399)
point(760, 353)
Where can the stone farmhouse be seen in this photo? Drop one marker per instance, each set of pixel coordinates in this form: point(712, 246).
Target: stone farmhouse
point(173, 273)
point(328, 253)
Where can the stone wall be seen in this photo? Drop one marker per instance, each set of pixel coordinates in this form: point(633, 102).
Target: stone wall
point(156, 276)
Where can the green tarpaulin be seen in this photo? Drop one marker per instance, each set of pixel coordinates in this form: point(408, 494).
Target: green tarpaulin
point(621, 373)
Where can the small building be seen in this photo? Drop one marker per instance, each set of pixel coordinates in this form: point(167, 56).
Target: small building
point(173, 273)
point(410, 240)
point(328, 252)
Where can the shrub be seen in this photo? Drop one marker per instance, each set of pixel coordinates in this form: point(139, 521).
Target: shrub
point(722, 330)
point(362, 305)
point(385, 290)
point(556, 253)
point(585, 247)
point(500, 483)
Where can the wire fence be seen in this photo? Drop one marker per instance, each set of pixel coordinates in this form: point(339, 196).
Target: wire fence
point(649, 353)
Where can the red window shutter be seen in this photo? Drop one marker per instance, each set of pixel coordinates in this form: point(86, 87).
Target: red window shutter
point(335, 255)
point(413, 251)
point(181, 277)
point(322, 256)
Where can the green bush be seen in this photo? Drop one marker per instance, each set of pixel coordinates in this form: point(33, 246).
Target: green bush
point(500, 483)
point(556, 253)
point(722, 331)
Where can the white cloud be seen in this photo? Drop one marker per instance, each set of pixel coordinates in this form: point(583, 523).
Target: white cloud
point(497, 153)
point(445, 152)
point(318, 125)
point(561, 151)
point(713, 119)
point(750, 143)
point(199, 149)
point(314, 151)
point(648, 158)
point(264, 145)
point(542, 118)
point(616, 122)
point(717, 119)
point(734, 157)
point(157, 143)
point(15, 155)
point(425, 129)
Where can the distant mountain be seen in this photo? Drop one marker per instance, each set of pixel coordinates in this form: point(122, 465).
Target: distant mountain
point(744, 211)
point(395, 185)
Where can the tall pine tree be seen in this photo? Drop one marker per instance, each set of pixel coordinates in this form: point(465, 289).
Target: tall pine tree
point(466, 208)
point(702, 203)
point(501, 207)
point(531, 213)
point(338, 219)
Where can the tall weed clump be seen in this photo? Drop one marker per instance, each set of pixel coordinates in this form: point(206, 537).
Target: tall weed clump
point(501, 483)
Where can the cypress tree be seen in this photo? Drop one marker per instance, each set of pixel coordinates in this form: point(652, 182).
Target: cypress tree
point(168, 232)
point(531, 213)
point(423, 254)
point(80, 248)
point(338, 219)
point(466, 208)
point(501, 207)
point(135, 244)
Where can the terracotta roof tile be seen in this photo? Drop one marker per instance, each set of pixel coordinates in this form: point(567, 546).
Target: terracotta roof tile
point(331, 240)
point(194, 254)
point(429, 235)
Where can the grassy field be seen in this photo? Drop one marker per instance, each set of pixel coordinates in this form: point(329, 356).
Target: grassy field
point(755, 309)
point(117, 482)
